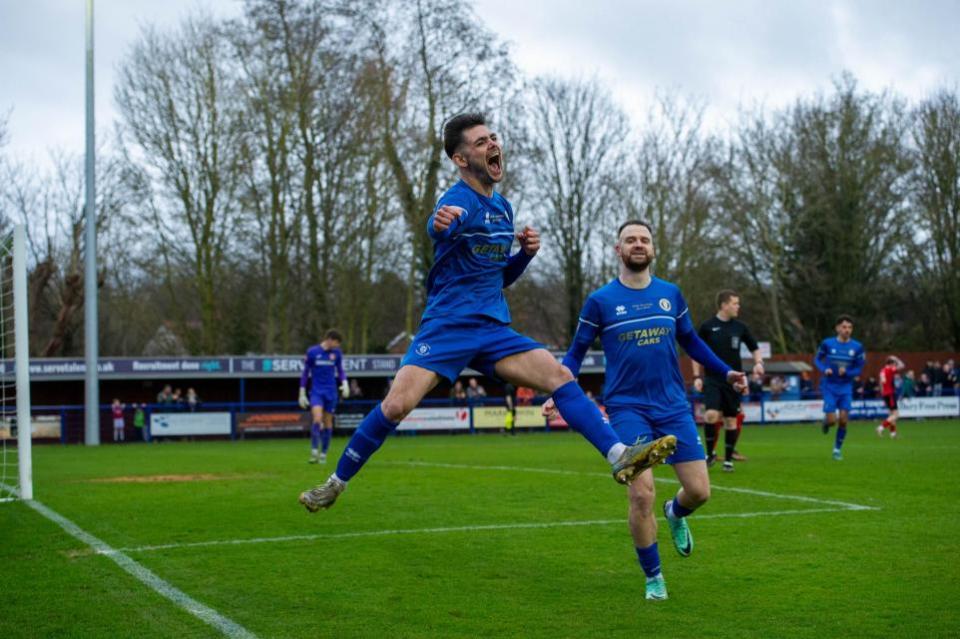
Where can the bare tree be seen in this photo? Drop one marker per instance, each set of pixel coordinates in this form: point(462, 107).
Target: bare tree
point(749, 206)
point(673, 190)
point(52, 207)
point(936, 185)
point(182, 123)
point(577, 137)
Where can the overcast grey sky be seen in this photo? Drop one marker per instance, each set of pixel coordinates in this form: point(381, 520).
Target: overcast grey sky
point(729, 53)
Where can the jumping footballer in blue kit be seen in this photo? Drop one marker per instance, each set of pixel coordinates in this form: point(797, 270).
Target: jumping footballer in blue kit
point(639, 319)
point(839, 359)
point(323, 366)
point(466, 321)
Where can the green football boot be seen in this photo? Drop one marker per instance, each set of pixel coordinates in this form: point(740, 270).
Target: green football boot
point(679, 532)
point(656, 588)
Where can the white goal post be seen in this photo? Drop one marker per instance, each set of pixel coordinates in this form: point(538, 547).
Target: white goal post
point(15, 393)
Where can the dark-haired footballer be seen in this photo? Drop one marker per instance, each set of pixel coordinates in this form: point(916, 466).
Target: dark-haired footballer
point(466, 321)
point(840, 359)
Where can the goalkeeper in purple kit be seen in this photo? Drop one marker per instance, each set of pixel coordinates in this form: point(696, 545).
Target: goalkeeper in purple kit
point(466, 321)
point(323, 366)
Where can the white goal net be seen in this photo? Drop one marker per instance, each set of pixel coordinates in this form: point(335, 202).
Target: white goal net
point(16, 468)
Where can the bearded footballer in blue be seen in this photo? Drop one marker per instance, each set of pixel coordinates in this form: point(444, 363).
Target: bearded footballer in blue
point(323, 366)
point(466, 321)
point(839, 359)
point(639, 318)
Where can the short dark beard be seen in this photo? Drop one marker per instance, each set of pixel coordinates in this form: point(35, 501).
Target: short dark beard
point(636, 268)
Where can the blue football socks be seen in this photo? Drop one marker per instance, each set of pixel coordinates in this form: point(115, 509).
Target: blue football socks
point(649, 559)
point(676, 510)
point(841, 434)
point(370, 435)
point(584, 417)
point(326, 434)
point(314, 436)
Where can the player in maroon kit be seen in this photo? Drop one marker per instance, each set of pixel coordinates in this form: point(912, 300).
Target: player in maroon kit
point(889, 395)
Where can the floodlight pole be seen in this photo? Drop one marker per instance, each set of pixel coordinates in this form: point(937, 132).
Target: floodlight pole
point(91, 346)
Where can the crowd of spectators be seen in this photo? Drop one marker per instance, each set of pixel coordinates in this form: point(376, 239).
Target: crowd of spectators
point(935, 380)
point(170, 399)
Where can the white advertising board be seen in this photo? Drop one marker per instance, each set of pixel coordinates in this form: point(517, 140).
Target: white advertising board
point(802, 410)
point(437, 419)
point(180, 424)
point(929, 407)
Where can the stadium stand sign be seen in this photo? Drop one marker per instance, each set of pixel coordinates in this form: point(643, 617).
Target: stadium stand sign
point(278, 366)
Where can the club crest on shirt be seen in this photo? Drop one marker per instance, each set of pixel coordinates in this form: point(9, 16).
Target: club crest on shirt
point(665, 304)
point(621, 310)
point(423, 348)
point(851, 352)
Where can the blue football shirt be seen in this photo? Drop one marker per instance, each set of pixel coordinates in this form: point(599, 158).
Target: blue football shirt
point(323, 367)
point(638, 329)
point(834, 354)
point(469, 258)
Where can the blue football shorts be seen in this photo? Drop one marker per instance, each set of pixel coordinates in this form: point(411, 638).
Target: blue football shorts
point(447, 347)
point(835, 399)
point(325, 398)
point(633, 424)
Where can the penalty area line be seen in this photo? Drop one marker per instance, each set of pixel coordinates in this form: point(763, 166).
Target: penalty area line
point(455, 529)
point(146, 576)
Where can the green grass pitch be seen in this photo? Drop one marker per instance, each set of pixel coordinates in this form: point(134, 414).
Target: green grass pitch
point(491, 536)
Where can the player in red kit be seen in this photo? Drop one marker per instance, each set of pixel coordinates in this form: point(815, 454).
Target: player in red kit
point(889, 395)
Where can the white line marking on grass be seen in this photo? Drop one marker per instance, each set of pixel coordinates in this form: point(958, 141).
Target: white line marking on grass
point(666, 480)
point(206, 614)
point(456, 529)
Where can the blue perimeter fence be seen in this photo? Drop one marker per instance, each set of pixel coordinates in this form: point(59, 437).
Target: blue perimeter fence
point(286, 418)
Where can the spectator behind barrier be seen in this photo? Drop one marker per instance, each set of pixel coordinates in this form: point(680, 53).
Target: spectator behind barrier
point(908, 388)
point(923, 386)
point(458, 395)
point(193, 400)
point(165, 397)
point(475, 390)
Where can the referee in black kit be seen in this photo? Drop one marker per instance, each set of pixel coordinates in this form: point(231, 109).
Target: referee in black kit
point(724, 333)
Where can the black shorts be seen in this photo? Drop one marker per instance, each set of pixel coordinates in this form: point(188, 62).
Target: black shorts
point(722, 397)
point(890, 401)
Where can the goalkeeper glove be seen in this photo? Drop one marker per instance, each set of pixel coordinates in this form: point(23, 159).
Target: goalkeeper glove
point(345, 389)
point(304, 403)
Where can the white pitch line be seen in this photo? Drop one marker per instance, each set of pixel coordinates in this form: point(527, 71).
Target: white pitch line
point(666, 480)
point(206, 614)
point(455, 529)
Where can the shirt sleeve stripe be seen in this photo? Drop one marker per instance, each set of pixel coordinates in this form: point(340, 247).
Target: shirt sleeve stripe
point(589, 322)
